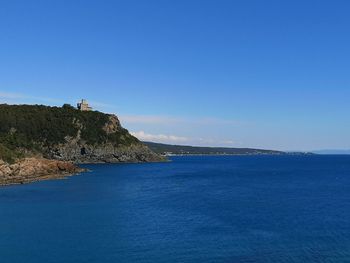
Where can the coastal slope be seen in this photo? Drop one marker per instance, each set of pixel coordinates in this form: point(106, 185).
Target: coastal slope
point(39, 135)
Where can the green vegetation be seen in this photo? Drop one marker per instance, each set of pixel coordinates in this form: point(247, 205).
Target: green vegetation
point(8, 155)
point(122, 137)
point(31, 127)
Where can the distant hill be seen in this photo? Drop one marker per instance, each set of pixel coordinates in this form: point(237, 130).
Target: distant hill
point(161, 148)
point(332, 151)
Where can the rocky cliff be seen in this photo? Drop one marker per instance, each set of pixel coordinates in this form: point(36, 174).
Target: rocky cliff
point(120, 147)
point(36, 141)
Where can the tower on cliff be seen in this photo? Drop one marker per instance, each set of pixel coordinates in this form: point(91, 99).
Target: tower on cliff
point(83, 105)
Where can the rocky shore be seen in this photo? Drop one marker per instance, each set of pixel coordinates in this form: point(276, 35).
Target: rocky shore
point(35, 169)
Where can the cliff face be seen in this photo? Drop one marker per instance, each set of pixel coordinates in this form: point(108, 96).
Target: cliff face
point(38, 141)
point(79, 150)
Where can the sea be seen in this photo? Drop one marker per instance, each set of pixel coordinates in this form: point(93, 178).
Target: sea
point(228, 209)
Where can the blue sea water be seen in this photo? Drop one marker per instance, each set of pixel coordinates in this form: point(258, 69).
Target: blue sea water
point(193, 209)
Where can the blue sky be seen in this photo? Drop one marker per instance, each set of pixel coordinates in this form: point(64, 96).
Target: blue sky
point(269, 74)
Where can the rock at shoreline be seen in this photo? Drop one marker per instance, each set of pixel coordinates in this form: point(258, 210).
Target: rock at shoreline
point(35, 169)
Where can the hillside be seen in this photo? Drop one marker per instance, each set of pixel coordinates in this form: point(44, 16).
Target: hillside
point(183, 150)
point(37, 133)
point(66, 133)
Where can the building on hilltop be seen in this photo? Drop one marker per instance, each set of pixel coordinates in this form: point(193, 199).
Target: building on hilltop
point(83, 105)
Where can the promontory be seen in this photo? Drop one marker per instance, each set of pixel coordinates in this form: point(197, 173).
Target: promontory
point(39, 142)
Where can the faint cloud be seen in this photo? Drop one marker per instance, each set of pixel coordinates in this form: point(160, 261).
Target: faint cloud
point(7, 95)
point(18, 98)
point(97, 104)
point(143, 136)
point(174, 139)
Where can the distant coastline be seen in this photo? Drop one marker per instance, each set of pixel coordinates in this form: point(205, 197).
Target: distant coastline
point(332, 152)
point(184, 150)
point(232, 154)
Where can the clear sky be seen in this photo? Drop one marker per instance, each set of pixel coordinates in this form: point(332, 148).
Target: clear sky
point(270, 74)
